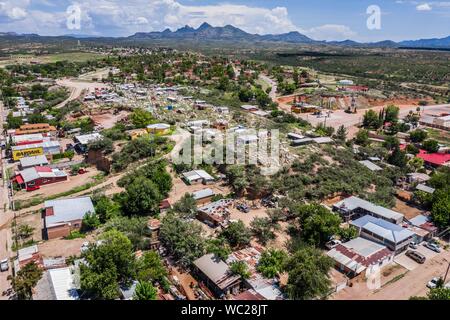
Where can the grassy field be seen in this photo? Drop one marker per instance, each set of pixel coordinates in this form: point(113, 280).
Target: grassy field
point(51, 58)
point(439, 135)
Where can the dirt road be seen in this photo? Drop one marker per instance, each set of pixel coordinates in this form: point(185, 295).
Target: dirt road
point(76, 88)
point(273, 84)
point(413, 283)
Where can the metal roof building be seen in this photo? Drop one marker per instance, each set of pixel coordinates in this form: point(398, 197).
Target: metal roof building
point(370, 165)
point(354, 207)
point(424, 188)
point(66, 210)
point(63, 284)
point(88, 138)
point(204, 193)
point(28, 162)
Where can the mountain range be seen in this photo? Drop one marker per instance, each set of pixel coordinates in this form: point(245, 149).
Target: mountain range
point(206, 32)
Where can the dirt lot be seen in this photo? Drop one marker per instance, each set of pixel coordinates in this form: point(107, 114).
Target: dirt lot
point(408, 211)
point(180, 188)
point(107, 120)
point(62, 248)
point(34, 220)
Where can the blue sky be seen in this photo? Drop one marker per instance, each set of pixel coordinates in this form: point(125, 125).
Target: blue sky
point(319, 19)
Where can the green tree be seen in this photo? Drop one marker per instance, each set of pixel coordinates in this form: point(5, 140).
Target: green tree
point(25, 280)
point(391, 113)
point(431, 145)
point(151, 268)
point(272, 263)
point(237, 234)
point(391, 142)
point(440, 212)
point(90, 222)
point(264, 229)
point(183, 239)
point(142, 197)
point(219, 247)
point(107, 265)
point(439, 294)
point(398, 158)
point(106, 209)
point(141, 118)
point(186, 207)
point(237, 178)
point(418, 135)
point(318, 224)
point(308, 271)
point(371, 120)
point(145, 291)
point(348, 234)
point(362, 137)
point(341, 134)
point(240, 268)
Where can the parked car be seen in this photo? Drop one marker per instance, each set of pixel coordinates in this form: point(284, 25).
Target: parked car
point(433, 283)
point(413, 245)
point(416, 256)
point(4, 266)
point(243, 208)
point(332, 244)
point(433, 246)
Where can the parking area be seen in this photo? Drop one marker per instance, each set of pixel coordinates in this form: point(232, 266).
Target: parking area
point(409, 263)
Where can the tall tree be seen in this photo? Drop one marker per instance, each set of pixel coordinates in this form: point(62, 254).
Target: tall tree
point(142, 197)
point(308, 272)
point(145, 291)
point(25, 280)
point(237, 234)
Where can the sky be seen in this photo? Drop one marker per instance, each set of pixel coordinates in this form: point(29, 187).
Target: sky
point(318, 19)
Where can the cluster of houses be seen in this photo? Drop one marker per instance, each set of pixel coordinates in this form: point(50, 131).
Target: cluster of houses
point(382, 234)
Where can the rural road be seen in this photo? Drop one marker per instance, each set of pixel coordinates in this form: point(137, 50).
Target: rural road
point(273, 84)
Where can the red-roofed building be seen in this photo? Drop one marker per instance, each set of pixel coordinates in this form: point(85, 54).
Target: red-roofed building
point(433, 159)
point(32, 178)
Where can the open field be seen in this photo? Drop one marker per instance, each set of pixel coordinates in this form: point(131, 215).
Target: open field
point(51, 58)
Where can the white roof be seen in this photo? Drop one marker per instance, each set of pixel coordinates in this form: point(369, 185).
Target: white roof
point(370, 165)
point(197, 175)
point(249, 107)
point(87, 138)
point(65, 210)
point(363, 247)
point(27, 137)
point(27, 253)
point(27, 146)
point(50, 144)
point(353, 203)
point(383, 228)
point(33, 161)
point(322, 140)
point(204, 193)
point(62, 283)
point(158, 126)
point(425, 188)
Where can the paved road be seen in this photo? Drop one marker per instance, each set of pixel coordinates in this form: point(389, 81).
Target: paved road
point(6, 216)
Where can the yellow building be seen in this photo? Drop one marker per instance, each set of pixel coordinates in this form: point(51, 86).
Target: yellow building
point(160, 128)
point(137, 133)
point(28, 150)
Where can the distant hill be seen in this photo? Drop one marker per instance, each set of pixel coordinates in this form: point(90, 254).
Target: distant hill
point(206, 32)
point(228, 32)
point(428, 43)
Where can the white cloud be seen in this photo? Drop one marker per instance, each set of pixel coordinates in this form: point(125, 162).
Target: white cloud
point(423, 7)
point(123, 18)
point(331, 32)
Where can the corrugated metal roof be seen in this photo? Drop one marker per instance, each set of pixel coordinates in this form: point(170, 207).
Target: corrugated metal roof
point(216, 270)
point(353, 203)
point(33, 161)
point(204, 193)
point(68, 209)
point(383, 228)
point(63, 285)
point(425, 188)
point(370, 165)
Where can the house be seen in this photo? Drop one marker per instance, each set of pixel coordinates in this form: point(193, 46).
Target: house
point(249, 108)
point(393, 236)
point(27, 139)
point(370, 165)
point(197, 176)
point(425, 223)
point(203, 196)
point(51, 147)
point(215, 214)
point(57, 284)
point(353, 208)
point(442, 122)
point(424, 188)
point(63, 216)
point(44, 128)
point(39, 176)
point(248, 295)
point(418, 177)
point(158, 128)
point(85, 139)
point(216, 275)
point(268, 288)
point(27, 255)
point(433, 160)
point(245, 139)
point(28, 150)
point(35, 161)
point(355, 256)
point(260, 113)
point(295, 136)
